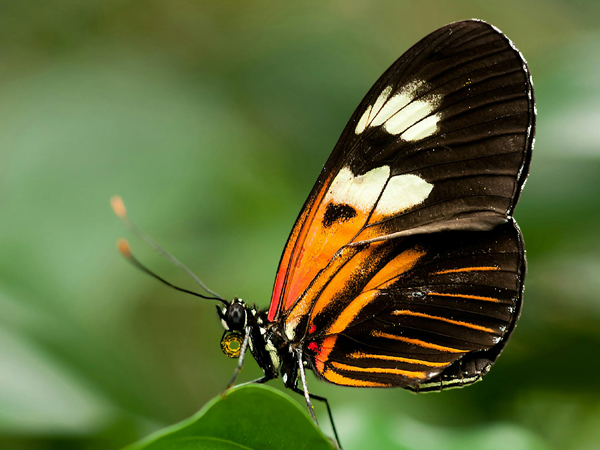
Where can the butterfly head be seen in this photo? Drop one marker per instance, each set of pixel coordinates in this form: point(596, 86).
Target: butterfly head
point(234, 315)
point(234, 318)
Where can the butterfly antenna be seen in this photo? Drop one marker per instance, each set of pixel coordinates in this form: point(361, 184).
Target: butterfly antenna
point(119, 209)
point(125, 250)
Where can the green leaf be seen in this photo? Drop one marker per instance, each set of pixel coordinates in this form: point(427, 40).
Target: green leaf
point(249, 417)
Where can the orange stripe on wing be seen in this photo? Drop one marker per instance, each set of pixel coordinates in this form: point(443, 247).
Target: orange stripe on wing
point(468, 269)
point(302, 307)
point(323, 353)
point(360, 355)
point(405, 312)
point(417, 342)
point(401, 263)
point(336, 378)
point(347, 270)
point(389, 371)
point(351, 311)
point(474, 297)
point(397, 266)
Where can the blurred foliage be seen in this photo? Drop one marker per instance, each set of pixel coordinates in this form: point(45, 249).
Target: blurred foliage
point(212, 120)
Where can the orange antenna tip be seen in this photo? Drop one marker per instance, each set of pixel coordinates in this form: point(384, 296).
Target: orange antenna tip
point(118, 206)
point(124, 248)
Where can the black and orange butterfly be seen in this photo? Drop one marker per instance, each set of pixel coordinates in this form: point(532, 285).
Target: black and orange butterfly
point(405, 267)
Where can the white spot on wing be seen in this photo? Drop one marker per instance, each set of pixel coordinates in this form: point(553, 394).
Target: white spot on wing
point(403, 192)
point(372, 110)
point(360, 192)
point(422, 129)
point(402, 114)
point(396, 103)
point(381, 99)
point(362, 123)
point(412, 115)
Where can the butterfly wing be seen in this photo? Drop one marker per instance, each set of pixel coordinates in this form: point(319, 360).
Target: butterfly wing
point(423, 312)
point(441, 142)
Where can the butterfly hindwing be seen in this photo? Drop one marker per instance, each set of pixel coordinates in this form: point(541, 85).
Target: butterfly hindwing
point(441, 142)
point(441, 305)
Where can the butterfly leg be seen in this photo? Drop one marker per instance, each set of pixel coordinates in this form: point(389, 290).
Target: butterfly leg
point(308, 396)
point(324, 400)
point(241, 359)
point(260, 380)
point(304, 391)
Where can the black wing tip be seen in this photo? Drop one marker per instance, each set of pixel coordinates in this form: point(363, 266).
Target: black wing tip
point(530, 140)
point(471, 22)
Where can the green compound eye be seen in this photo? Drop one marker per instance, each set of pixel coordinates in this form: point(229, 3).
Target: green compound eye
point(232, 345)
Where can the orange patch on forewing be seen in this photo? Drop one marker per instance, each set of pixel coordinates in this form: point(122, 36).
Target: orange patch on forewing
point(320, 239)
point(420, 362)
point(312, 244)
point(276, 298)
point(336, 378)
point(405, 312)
point(397, 266)
point(418, 342)
point(389, 371)
point(370, 232)
point(473, 297)
point(468, 269)
point(351, 311)
point(300, 256)
point(319, 246)
point(292, 252)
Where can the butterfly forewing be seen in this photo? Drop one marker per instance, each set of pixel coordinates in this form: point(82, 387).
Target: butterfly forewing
point(441, 142)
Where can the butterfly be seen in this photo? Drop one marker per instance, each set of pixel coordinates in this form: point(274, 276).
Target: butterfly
point(405, 267)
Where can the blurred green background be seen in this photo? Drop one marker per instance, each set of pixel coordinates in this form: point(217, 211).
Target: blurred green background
point(212, 119)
